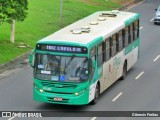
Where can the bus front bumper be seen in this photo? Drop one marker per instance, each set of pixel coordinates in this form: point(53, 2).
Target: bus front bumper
point(68, 99)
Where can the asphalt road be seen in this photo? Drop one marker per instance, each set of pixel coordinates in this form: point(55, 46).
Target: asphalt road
point(138, 92)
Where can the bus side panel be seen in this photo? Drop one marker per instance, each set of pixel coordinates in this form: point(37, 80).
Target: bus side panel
point(132, 57)
point(112, 70)
point(118, 62)
point(107, 77)
point(135, 55)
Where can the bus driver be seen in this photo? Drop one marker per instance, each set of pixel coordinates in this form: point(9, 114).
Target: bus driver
point(52, 64)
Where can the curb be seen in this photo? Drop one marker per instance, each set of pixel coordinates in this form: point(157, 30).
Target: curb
point(129, 4)
point(22, 58)
point(18, 60)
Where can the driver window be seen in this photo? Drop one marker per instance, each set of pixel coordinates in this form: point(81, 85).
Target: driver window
point(91, 67)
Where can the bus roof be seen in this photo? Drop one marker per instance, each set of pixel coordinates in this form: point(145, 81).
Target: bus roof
point(98, 25)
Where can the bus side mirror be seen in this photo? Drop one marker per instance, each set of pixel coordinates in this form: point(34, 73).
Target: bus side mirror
point(31, 58)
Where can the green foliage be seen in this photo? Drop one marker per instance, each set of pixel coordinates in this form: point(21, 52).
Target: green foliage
point(13, 10)
point(43, 19)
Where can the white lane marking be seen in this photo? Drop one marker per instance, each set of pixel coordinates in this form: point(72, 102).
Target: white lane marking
point(156, 58)
point(141, 28)
point(139, 75)
point(93, 118)
point(117, 96)
point(12, 118)
point(152, 19)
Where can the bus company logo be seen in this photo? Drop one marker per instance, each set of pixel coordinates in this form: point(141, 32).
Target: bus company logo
point(20, 114)
point(6, 114)
point(58, 85)
point(116, 61)
point(47, 88)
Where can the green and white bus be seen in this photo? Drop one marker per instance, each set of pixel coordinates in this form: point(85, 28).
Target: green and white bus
point(77, 63)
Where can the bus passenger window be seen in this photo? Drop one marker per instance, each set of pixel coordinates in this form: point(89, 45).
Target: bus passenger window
point(110, 47)
point(113, 45)
point(117, 43)
point(123, 37)
point(120, 39)
point(107, 49)
point(131, 33)
point(126, 36)
point(104, 51)
point(136, 29)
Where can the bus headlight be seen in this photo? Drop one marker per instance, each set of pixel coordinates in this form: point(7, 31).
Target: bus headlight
point(41, 90)
point(37, 88)
point(76, 94)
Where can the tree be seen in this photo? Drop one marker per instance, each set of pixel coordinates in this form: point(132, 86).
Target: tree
point(11, 11)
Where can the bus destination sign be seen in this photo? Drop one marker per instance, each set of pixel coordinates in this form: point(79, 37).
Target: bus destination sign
point(59, 48)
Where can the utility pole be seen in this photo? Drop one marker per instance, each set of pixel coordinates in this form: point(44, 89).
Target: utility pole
point(12, 32)
point(60, 9)
point(60, 16)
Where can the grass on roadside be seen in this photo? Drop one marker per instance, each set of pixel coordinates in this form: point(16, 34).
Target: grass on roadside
point(43, 19)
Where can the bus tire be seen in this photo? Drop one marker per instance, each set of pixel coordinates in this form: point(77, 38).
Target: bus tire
point(124, 71)
point(96, 96)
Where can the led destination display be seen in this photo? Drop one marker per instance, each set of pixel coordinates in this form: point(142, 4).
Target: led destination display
point(58, 48)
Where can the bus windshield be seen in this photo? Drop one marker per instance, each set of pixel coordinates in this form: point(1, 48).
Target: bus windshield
point(61, 68)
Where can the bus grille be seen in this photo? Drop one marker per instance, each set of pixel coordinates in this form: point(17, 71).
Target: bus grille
point(52, 84)
point(57, 92)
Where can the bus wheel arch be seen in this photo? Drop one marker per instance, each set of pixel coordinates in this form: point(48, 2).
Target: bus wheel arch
point(97, 93)
point(124, 70)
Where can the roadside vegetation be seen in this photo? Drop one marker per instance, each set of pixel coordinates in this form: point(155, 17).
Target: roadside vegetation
point(43, 19)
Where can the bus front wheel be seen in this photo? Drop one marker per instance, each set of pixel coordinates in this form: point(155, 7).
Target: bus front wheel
point(96, 96)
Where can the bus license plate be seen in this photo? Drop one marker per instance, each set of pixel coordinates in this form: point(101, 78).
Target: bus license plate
point(57, 99)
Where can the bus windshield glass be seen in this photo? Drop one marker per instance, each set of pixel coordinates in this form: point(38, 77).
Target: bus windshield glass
point(61, 68)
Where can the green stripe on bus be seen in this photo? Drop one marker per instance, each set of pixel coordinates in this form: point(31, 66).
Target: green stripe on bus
point(131, 19)
point(95, 42)
point(133, 45)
